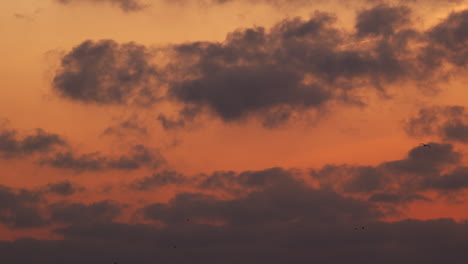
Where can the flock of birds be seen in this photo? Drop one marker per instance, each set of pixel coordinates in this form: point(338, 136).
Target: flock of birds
point(424, 145)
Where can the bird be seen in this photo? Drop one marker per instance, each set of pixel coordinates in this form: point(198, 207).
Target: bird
point(174, 246)
point(362, 227)
point(425, 145)
point(187, 219)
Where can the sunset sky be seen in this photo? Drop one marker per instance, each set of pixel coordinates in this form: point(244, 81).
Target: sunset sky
point(233, 131)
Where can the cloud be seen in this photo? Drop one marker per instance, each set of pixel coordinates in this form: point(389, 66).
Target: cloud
point(447, 122)
point(407, 241)
point(453, 181)
point(245, 181)
point(68, 160)
point(382, 20)
point(124, 5)
point(422, 161)
point(103, 211)
point(125, 126)
point(64, 188)
point(138, 156)
point(41, 141)
point(397, 181)
point(450, 37)
point(295, 67)
point(168, 123)
point(279, 210)
point(105, 72)
point(159, 179)
point(396, 198)
point(20, 208)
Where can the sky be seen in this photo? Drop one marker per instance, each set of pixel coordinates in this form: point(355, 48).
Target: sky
point(233, 131)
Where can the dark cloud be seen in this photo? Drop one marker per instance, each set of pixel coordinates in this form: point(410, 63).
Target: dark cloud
point(249, 89)
point(64, 188)
point(422, 160)
point(20, 208)
point(169, 123)
point(295, 67)
point(124, 5)
point(103, 211)
point(68, 160)
point(397, 181)
point(448, 122)
point(382, 20)
point(126, 126)
point(245, 181)
point(260, 72)
point(158, 180)
point(408, 241)
point(396, 198)
point(41, 141)
point(280, 198)
point(282, 219)
point(105, 72)
point(308, 3)
point(365, 179)
point(451, 36)
point(453, 181)
point(138, 156)
point(299, 65)
point(352, 179)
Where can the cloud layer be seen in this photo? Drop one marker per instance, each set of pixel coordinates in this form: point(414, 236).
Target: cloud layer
point(294, 67)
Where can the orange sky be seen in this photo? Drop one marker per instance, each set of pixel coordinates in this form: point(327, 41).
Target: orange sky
point(32, 47)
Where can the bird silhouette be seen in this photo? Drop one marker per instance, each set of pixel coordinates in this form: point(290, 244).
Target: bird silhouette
point(425, 145)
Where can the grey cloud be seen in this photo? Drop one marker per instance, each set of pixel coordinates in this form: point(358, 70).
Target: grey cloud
point(158, 180)
point(41, 141)
point(421, 170)
point(365, 179)
point(447, 122)
point(124, 5)
point(451, 35)
point(382, 20)
point(138, 156)
point(409, 241)
point(126, 126)
point(64, 188)
point(281, 199)
point(295, 67)
point(245, 181)
point(453, 181)
point(20, 208)
point(169, 123)
point(282, 219)
point(249, 89)
point(106, 72)
point(422, 160)
point(103, 211)
point(68, 160)
point(393, 198)
point(352, 179)
point(255, 71)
